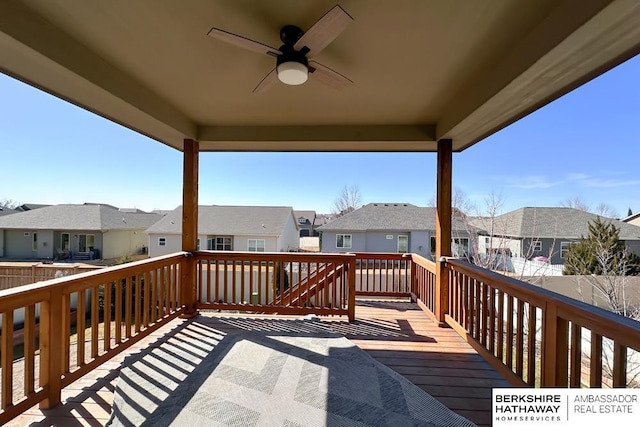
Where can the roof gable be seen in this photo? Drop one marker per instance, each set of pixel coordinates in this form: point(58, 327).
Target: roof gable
point(92, 217)
point(230, 220)
point(552, 222)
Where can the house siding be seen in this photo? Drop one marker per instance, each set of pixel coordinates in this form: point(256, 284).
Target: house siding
point(420, 243)
point(173, 244)
point(376, 241)
point(119, 243)
point(289, 240)
point(328, 242)
point(19, 246)
point(241, 243)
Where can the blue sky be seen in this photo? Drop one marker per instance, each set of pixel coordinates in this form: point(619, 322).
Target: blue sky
point(584, 145)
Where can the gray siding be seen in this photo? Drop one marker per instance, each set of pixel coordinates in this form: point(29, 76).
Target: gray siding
point(328, 242)
point(420, 243)
point(377, 241)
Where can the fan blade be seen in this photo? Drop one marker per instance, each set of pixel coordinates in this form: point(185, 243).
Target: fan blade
point(243, 42)
point(324, 31)
point(327, 76)
point(268, 81)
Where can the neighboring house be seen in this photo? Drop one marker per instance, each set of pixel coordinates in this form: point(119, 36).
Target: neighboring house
point(6, 211)
point(389, 227)
point(633, 219)
point(306, 221)
point(545, 232)
point(229, 228)
point(82, 231)
point(30, 206)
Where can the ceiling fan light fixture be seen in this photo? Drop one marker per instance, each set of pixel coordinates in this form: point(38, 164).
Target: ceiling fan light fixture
point(292, 73)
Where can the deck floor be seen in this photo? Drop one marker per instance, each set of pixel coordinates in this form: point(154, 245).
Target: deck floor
point(396, 333)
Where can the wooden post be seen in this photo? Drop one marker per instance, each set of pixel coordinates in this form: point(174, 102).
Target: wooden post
point(443, 228)
point(189, 225)
point(50, 348)
point(352, 289)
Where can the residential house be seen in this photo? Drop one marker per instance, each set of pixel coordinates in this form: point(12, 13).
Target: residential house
point(230, 228)
point(547, 232)
point(80, 231)
point(306, 221)
point(633, 219)
point(30, 206)
point(389, 227)
point(6, 211)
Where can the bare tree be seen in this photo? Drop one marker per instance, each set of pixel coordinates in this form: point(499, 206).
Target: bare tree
point(347, 201)
point(605, 210)
point(576, 203)
point(8, 203)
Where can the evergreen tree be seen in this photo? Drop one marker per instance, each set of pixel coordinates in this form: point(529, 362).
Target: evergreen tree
point(629, 212)
point(601, 253)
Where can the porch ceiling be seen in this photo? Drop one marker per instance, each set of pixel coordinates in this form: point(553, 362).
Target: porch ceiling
point(423, 70)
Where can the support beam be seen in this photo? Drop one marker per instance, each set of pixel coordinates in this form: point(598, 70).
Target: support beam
point(189, 224)
point(443, 227)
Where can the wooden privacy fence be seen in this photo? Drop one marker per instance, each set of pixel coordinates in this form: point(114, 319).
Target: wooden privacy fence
point(114, 308)
point(536, 337)
point(18, 274)
point(284, 283)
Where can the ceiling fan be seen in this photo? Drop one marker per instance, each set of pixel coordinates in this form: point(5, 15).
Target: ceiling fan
point(293, 58)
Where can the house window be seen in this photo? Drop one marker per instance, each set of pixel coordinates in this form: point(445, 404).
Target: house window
point(536, 246)
point(35, 241)
point(255, 245)
point(343, 241)
point(86, 242)
point(64, 241)
point(162, 241)
point(433, 245)
point(198, 245)
point(220, 243)
point(564, 247)
point(460, 246)
point(403, 244)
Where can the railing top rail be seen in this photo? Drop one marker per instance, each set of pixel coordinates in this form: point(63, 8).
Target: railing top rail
point(274, 256)
point(15, 296)
point(601, 321)
point(423, 262)
point(381, 255)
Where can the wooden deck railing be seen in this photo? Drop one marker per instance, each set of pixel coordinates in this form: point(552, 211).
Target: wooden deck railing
point(383, 274)
point(284, 283)
point(71, 325)
point(536, 337)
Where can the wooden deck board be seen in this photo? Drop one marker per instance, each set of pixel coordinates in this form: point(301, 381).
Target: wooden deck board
point(396, 333)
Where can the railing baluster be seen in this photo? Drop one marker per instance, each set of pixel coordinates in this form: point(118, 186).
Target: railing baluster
point(595, 361)
point(128, 306)
point(94, 321)
point(531, 346)
point(509, 332)
point(576, 356)
point(80, 327)
point(29, 348)
point(500, 345)
point(118, 311)
point(106, 319)
point(619, 365)
point(6, 348)
point(65, 339)
point(520, 338)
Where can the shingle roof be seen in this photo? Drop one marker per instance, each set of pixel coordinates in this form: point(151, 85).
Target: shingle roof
point(387, 216)
point(230, 220)
point(553, 222)
point(78, 217)
point(6, 211)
